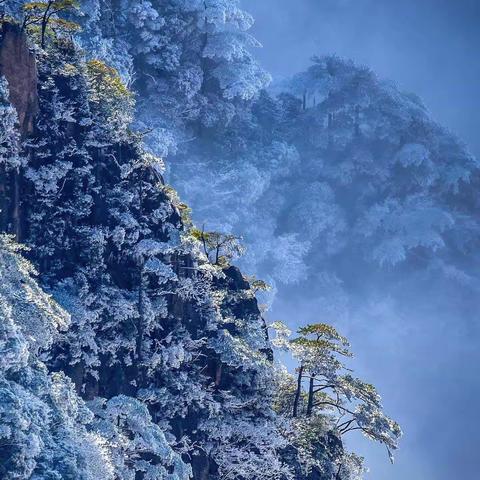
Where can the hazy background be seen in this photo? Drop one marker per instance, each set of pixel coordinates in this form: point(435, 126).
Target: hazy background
point(421, 353)
point(430, 47)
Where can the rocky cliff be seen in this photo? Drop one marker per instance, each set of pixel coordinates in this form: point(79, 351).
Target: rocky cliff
point(157, 357)
point(152, 320)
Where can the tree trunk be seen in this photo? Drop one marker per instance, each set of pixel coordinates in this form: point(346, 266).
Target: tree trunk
point(310, 396)
point(218, 374)
point(337, 476)
point(45, 18)
point(298, 392)
point(17, 214)
point(44, 27)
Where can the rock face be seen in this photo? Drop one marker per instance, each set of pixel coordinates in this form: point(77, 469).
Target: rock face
point(153, 322)
point(17, 65)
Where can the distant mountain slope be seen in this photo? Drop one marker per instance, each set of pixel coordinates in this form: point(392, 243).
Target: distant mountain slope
point(362, 211)
point(336, 166)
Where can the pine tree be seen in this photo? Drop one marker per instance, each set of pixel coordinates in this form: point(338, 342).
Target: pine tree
point(335, 402)
point(46, 15)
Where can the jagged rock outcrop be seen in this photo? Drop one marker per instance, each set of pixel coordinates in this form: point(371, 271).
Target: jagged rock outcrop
point(18, 66)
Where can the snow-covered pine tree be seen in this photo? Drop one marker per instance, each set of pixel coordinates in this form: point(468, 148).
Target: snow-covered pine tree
point(44, 425)
point(190, 60)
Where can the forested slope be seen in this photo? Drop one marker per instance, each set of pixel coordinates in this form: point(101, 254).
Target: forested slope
point(143, 354)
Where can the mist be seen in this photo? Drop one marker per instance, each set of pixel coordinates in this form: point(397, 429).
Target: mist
point(342, 198)
point(417, 340)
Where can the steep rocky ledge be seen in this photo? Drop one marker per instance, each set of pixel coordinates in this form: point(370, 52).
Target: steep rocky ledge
point(18, 66)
